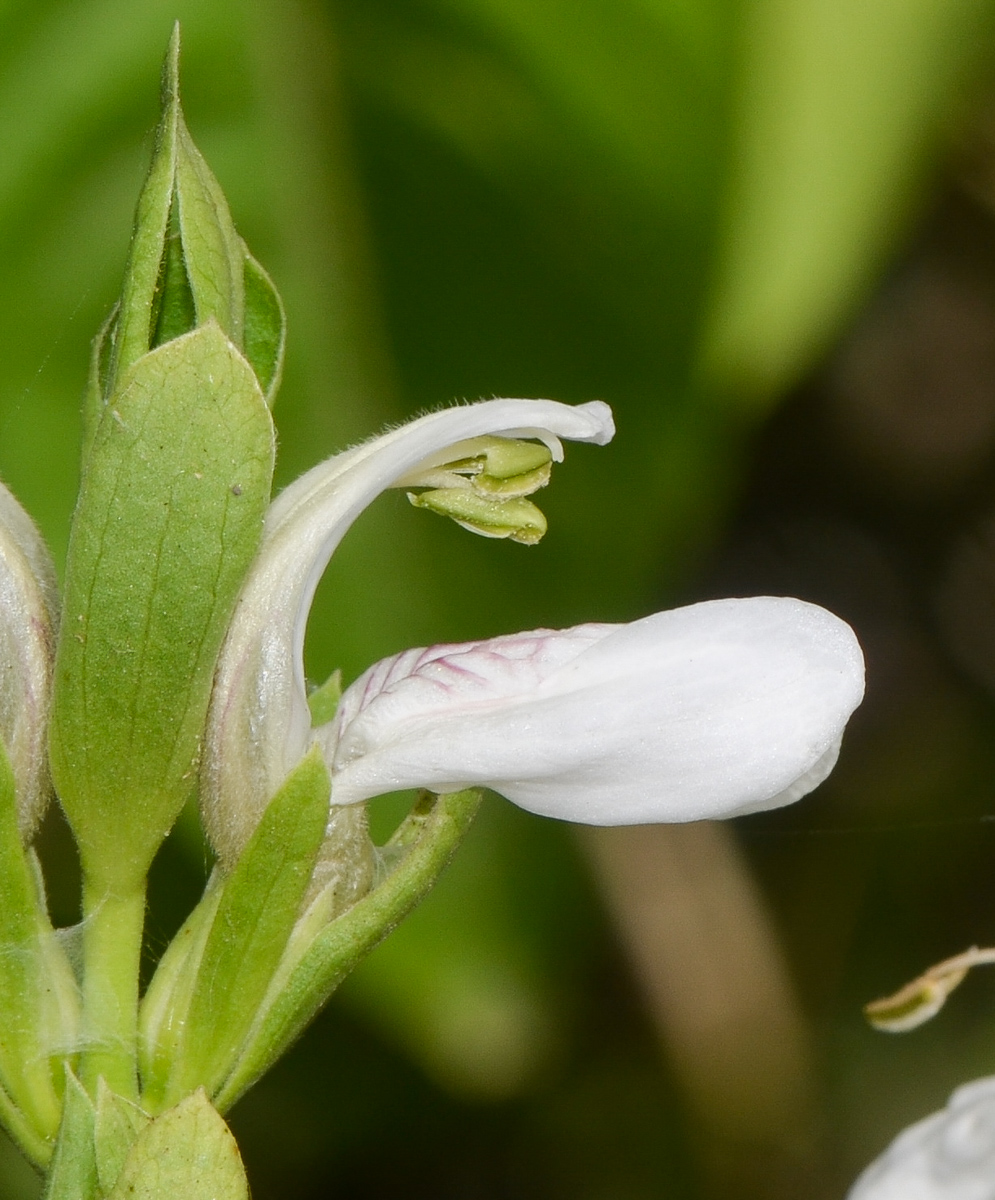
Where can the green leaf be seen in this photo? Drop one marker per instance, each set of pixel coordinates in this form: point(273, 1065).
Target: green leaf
point(168, 519)
point(188, 1152)
point(259, 908)
point(118, 1123)
point(317, 961)
point(74, 1166)
point(842, 109)
point(265, 327)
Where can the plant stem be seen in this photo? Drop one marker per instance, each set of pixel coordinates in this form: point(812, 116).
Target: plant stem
point(112, 945)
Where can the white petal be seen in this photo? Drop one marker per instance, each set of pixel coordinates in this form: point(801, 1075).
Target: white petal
point(948, 1156)
point(259, 724)
point(709, 711)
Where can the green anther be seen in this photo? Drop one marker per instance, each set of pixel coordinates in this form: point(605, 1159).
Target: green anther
point(491, 466)
point(512, 468)
point(513, 518)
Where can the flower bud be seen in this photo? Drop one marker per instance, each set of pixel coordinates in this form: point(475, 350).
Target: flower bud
point(186, 267)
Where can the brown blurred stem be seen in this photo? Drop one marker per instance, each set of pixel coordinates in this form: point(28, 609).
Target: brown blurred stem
point(704, 953)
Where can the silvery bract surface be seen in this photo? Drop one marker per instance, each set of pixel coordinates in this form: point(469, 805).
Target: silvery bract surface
point(28, 612)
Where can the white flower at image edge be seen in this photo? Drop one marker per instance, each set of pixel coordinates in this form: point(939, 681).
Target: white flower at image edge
point(948, 1156)
point(716, 709)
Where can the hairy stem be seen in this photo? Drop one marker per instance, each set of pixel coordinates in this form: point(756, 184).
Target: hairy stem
point(112, 945)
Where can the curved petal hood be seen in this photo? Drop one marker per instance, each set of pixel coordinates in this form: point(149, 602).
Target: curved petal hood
point(259, 723)
point(948, 1156)
point(714, 710)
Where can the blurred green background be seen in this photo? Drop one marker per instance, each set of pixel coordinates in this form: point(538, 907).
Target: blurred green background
point(764, 231)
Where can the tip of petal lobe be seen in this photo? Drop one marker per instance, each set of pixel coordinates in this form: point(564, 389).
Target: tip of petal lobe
point(714, 710)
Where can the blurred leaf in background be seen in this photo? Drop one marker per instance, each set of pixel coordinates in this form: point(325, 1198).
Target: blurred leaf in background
point(673, 205)
point(841, 110)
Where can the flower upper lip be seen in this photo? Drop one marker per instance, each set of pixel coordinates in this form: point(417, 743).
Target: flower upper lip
point(259, 724)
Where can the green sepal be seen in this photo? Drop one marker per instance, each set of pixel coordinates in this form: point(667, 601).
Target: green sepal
point(514, 518)
point(59, 1006)
point(164, 1007)
point(259, 907)
point(36, 1149)
point(168, 520)
point(318, 959)
point(27, 1001)
point(213, 252)
point(73, 1175)
point(117, 1124)
point(187, 1153)
point(323, 702)
point(265, 333)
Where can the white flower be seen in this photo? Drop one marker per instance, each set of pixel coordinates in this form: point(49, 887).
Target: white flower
point(708, 711)
point(948, 1156)
point(722, 708)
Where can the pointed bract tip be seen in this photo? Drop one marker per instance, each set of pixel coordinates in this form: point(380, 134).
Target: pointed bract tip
point(171, 68)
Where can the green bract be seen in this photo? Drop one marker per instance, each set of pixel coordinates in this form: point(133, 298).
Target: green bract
point(37, 993)
point(256, 914)
point(177, 469)
point(169, 516)
point(187, 1152)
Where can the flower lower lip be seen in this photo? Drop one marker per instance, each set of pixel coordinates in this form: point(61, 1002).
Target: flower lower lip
point(712, 710)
